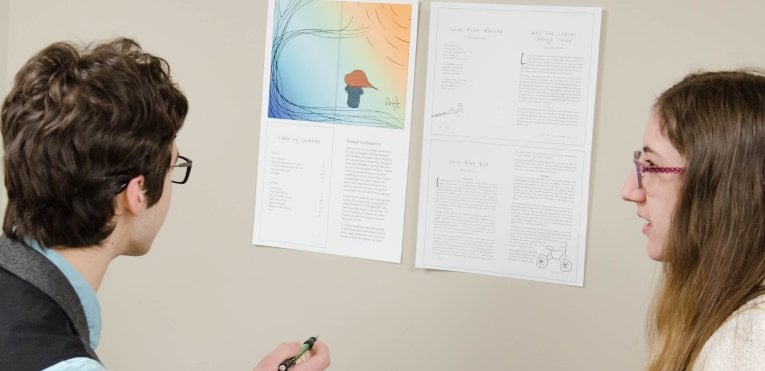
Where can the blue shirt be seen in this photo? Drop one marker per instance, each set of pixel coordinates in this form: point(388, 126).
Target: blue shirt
point(89, 305)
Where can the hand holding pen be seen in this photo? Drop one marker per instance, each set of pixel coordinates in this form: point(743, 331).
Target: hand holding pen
point(291, 353)
point(289, 362)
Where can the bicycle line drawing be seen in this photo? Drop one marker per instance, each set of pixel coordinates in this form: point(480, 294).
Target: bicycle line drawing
point(555, 253)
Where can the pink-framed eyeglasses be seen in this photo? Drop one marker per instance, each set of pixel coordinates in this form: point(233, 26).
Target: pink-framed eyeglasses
point(641, 169)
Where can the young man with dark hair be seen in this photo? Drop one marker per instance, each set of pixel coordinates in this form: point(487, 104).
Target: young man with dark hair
point(89, 160)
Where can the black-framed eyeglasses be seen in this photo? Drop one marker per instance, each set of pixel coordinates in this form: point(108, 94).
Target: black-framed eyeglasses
point(641, 169)
point(181, 170)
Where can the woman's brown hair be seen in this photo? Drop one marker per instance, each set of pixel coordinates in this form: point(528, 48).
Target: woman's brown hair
point(715, 255)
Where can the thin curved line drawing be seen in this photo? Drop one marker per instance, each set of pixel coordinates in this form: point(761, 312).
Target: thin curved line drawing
point(290, 100)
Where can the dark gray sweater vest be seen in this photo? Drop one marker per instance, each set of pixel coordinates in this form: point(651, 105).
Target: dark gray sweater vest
point(42, 321)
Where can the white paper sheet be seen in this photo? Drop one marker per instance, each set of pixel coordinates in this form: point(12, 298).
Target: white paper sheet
point(335, 124)
point(507, 140)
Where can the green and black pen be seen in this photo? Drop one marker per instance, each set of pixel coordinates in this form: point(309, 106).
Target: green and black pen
point(289, 362)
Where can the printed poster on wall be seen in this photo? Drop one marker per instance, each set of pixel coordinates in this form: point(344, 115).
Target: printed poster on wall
point(335, 126)
point(507, 140)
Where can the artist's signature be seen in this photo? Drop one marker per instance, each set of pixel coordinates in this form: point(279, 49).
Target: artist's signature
point(393, 103)
point(451, 111)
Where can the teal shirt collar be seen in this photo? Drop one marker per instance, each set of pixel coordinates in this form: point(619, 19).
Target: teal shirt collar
point(86, 294)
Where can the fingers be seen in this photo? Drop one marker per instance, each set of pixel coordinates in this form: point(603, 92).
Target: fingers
point(271, 362)
point(318, 361)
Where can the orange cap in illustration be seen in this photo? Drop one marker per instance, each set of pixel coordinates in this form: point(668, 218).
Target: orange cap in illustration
point(357, 78)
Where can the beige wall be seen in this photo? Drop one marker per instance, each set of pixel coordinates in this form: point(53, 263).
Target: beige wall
point(4, 79)
point(205, 299)
point(4, 9)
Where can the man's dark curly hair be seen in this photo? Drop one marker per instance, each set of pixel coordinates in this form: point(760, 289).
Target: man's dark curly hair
point(77, 124)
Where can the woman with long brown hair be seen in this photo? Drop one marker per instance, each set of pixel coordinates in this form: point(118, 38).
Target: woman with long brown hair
point(699, 182)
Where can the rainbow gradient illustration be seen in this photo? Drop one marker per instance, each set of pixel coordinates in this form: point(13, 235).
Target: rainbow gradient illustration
point(340, 62)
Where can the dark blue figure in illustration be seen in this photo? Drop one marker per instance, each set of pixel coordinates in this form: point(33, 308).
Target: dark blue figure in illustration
point(354, 95)
point(354, 84)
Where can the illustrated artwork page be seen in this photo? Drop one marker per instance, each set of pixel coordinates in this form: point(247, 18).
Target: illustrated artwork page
point(335, 126)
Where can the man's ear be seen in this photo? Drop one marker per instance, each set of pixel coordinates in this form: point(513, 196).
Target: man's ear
point(134, 195)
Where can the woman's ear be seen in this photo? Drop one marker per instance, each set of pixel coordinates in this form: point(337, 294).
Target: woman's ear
point(134, 195)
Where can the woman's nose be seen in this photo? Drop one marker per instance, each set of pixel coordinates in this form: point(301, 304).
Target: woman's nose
point(630, 190)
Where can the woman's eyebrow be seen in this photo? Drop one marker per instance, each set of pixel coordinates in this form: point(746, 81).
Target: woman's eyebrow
point(649, 150)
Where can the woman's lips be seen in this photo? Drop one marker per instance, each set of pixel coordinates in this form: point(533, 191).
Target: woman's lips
point(646, 228)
